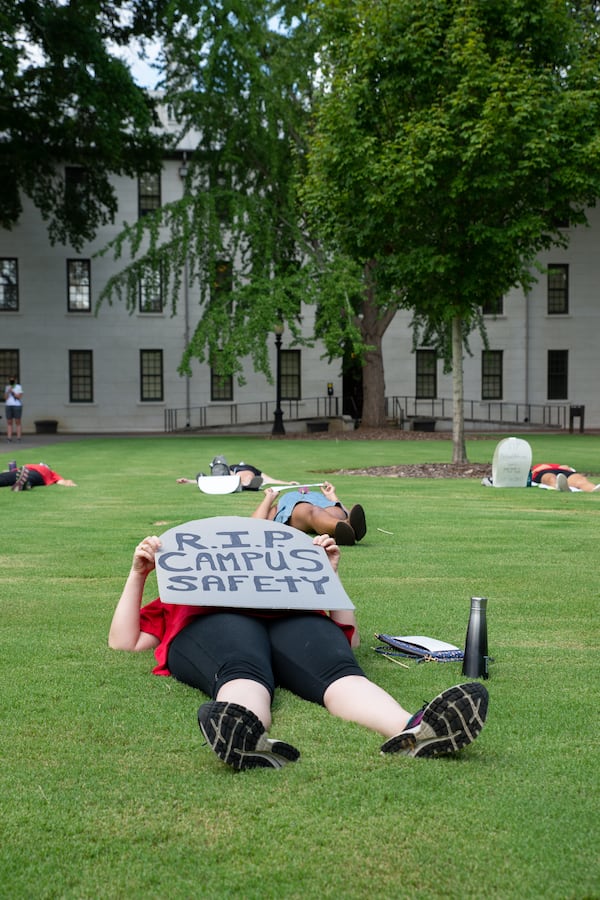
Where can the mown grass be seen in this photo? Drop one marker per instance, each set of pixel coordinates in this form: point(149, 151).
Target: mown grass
point(107, 790)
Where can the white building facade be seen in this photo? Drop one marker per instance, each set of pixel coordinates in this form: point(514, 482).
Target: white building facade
point(116, 372)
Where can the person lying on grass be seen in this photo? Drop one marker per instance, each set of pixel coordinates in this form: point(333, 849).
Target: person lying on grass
point(33, 475)
point(251, 478)
point(561, 478)
point(237, 657)
point(314, 513)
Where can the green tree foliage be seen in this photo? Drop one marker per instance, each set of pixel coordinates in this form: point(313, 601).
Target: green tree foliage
point(452, 140)
point(241, 75)
point(66, 99)
point(447, 142)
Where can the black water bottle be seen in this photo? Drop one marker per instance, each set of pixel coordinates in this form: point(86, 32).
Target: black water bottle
point(475, 663)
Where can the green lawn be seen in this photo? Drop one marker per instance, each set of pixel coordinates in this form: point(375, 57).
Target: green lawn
point(106, 788)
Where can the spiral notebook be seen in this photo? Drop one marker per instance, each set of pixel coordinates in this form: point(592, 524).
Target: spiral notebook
point(418, 647)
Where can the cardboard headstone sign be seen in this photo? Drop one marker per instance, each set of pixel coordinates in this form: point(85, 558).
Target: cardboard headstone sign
point(219, 484)
point(511, 463)
point(247, 563)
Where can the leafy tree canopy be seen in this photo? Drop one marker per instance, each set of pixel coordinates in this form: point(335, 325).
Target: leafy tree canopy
point(241, 74)
point(452, 141)
point(66, 99)
point(447, 140)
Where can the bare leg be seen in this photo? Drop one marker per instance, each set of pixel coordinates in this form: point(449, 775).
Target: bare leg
point(251, 694)
point(356, 699)
point(314, 520)
point(581, 482)
point(549, 479)
point(18, 429)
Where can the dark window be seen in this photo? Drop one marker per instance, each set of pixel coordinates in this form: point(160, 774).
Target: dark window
point(558, 374)
point(148, 193)
point(491, 375)
point(494, 306)
point(9, 285)
point(9, 365)
point(291, 387)
point(558, 290)
point(151, 375)
point(151, 293)
point(81, 376)
point(79, 285)
point(221, 386)
point(426, 386)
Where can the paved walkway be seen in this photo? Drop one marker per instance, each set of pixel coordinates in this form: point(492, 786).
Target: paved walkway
point(35, 442)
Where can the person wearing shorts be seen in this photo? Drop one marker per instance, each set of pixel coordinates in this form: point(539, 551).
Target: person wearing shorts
point(561, 478)
point(13, 399)
point(314, 513)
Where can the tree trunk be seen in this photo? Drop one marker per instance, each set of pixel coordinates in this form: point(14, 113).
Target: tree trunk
point(373, 323)
point(373, 411)
point(459, 450)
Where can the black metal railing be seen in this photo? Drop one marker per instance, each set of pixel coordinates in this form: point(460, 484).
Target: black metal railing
point(259, 412)
point(398, 409)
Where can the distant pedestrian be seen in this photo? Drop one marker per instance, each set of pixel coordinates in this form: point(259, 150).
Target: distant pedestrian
point(13, 394)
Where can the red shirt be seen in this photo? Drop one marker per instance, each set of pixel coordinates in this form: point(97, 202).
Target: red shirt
point(552, 467)
point(166, 620)
point(46, 472)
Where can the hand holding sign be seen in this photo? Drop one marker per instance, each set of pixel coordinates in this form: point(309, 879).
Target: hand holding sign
point(246, 563)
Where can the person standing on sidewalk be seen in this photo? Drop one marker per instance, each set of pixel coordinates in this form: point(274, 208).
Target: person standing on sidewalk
point(13, 394)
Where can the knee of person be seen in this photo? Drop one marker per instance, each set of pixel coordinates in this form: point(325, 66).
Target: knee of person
point(247, 668)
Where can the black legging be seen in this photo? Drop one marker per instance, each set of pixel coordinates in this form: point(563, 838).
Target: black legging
point(7, 479)
point(303, 652)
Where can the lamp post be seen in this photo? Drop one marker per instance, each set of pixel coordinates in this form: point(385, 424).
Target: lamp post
point(278, 419)
point(183, 174)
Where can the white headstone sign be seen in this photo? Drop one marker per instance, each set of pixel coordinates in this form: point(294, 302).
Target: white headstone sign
point(511, 463)
point(247, 563)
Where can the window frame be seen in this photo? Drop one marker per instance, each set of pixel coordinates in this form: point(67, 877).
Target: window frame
point(4, 307)
point(85, 380)
point(9, 365)
point(145, 376)
point(156, 305)
point(221, 387)
point(557, 295)
point(73, 286)
point(490, 378)
point(290, 370)
point(421, 355)
point(493, 307)
point(149, 200)
point(557, 374)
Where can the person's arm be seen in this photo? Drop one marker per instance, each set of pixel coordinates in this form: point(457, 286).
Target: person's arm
point(187, 481)
point(65, 482)
point(125, 632)
point(265, 509)
point(329, 491)
point(340, 616)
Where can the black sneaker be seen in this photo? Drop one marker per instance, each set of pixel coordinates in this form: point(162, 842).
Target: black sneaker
point(22, 482)
point(344, 535)
point(357, 520)
point(238, 737)
point(452, 720)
